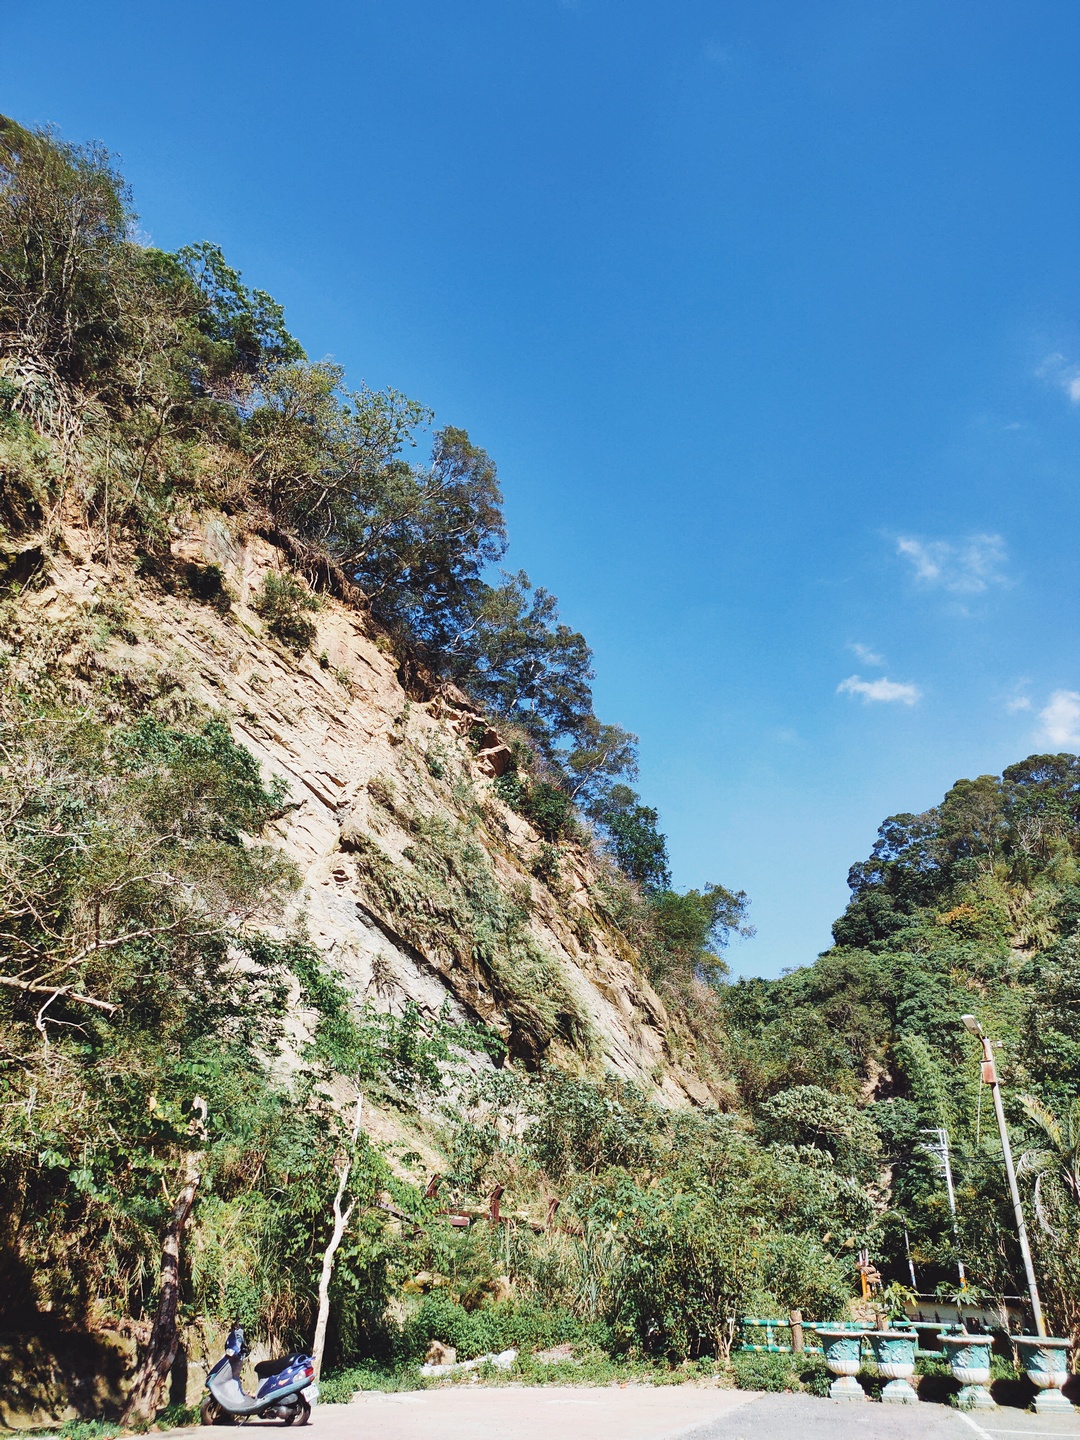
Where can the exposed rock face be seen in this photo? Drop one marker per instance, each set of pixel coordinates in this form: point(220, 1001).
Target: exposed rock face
point(392, 818)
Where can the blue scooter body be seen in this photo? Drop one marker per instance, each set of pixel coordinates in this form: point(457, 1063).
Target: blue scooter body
point(279, 1396)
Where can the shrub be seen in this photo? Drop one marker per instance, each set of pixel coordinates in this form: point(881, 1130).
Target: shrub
point(764, 1370)
point(339, 1388)
point(285, 604)
point(545, 866)
point(548, 809)
point(486, 1331)
point(814, 1374)
point(207, 584)
point(381, 789)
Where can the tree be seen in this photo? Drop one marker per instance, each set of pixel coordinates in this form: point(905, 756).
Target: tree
point(1055, 1163)
point(1042, 803)
point(246, 327)
point(971, 822)
point(418, 539)
point(126, 896)
point(523, 664)
point(634, 836)
point(685, 926)
point(342, 1214)
point(807, 1116)
point(603, 755)
point(902, 873)
point(144, 1397)
point(64, 217)
point(325, 459)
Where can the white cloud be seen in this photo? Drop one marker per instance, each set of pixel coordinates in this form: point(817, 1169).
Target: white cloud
point(888, 691)
point(964, 567)
point(1061, 719)
point(1059, 372)
point(1018, 702)
point(865, 654)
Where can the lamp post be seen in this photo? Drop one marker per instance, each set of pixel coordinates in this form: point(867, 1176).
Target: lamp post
point(990, 1077)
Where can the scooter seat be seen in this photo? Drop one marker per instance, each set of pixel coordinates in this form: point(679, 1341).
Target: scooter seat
point(273, 1367)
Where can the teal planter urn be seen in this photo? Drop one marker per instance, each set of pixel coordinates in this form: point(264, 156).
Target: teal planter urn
point(1046, 1364)
point(969, 1360)
point(843, 1356)
point(894, 1351)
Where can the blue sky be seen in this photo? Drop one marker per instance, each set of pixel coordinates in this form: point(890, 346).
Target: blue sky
point(769, 313)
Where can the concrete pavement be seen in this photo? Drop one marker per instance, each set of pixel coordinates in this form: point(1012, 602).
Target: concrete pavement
point(554, 1412)
point(802, 1417)
point(670, 1412)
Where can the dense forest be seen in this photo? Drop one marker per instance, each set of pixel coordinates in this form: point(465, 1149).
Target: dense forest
point(150, 933)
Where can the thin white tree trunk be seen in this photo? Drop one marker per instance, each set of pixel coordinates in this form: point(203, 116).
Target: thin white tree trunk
point(341, 1220)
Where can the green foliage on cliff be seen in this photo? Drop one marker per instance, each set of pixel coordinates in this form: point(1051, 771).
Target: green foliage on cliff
point(148, 384)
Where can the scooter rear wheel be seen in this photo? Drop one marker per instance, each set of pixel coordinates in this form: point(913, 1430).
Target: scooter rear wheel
point(302, 1413)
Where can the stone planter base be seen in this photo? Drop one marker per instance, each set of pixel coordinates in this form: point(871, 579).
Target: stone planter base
point(1052, 1402)
point(846, 1387)
point(976, 1397)
point(899, 1392)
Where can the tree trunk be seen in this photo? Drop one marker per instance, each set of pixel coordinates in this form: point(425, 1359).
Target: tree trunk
point(157, 1361)
point(150, 1378)
point(341, 1220)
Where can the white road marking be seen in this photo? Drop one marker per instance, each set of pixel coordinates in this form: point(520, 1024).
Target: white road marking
point(974, 1425)
point(989, 1434)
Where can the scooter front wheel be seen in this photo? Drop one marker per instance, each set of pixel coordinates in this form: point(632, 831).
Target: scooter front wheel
point(211, 1413)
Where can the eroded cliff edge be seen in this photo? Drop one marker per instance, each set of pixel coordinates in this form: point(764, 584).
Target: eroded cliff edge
point(419, 883)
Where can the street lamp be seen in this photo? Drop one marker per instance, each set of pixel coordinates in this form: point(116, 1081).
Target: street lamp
point(990, 1077)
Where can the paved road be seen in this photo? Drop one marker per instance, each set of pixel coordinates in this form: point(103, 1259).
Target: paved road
point(801, 1417)
point(552, 1412)
point(683, 1412)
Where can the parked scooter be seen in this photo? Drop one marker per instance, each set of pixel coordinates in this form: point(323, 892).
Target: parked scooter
point(286, 1392)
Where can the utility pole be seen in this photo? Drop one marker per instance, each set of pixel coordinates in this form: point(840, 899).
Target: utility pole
point(990, 1077)
point(939, 1148)
point(910, 1262)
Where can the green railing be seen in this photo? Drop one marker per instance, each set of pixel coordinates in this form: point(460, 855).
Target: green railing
point(773, 1336)
point(768, 1329)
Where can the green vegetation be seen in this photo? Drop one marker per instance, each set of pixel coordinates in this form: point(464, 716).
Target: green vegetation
point(150, 948)
point(285, 604)
point(972, 906)
point(147, 385)
point(450, 901)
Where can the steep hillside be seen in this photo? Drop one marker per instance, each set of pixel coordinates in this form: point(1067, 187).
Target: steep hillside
point(391, 817)
point(305, 814)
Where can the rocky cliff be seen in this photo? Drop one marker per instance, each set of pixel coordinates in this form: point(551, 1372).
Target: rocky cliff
point(420, 883)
